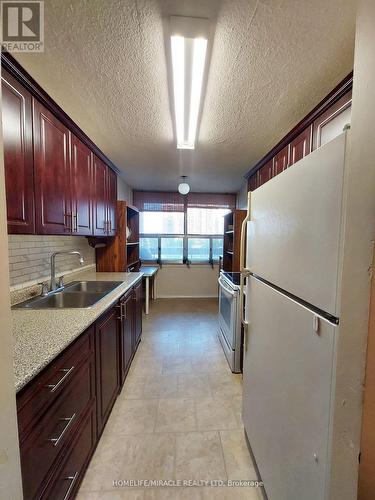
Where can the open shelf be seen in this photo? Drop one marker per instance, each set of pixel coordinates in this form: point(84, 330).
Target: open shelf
point(232, 237)
point(121, 253)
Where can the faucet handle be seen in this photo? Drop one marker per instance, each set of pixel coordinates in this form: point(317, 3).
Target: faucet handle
point(45, 289)
point(61, 281)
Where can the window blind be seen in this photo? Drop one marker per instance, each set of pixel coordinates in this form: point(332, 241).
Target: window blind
point(155, 201)
point(169, 201)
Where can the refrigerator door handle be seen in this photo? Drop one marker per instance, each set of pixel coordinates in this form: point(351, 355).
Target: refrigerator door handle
point(243, 269)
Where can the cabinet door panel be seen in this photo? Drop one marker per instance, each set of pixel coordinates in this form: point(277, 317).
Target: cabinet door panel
point(252, 183)
point(71, 473)
point(101, 197)
point(112, 198)
point(18, 156)
point(52, 173)
point(106, 365)
point(281, 161)
point(330, 124)
point(265, 173)
point(127, 336)
point(138, 312)
point(82, 192)
point(301, 146)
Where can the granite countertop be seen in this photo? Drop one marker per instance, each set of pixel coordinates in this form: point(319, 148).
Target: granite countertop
point(40, 335)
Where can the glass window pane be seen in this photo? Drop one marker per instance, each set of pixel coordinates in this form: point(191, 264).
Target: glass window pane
point(148, 249)
point(198, 249)
point(217, 248)
point(172, 249)
point(206, 220)
point(161, 223)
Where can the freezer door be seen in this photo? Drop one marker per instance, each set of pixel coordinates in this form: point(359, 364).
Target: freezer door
point(294, 237)
point(286, 394)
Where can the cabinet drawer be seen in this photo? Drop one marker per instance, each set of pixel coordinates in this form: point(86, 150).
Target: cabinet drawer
point(52, 432)
point(36, 397)
point(70, 475)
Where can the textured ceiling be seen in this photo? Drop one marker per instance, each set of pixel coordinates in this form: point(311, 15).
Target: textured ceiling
point(271, 62)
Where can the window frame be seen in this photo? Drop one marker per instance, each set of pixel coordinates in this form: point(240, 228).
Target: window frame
point(185, 238)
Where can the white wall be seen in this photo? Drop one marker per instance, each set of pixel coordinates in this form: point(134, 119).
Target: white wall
point(180, 281)
point(357, 261)
point(10, 472)
point(124, 191)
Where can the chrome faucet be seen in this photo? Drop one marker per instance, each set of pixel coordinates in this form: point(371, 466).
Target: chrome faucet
point(53, 268)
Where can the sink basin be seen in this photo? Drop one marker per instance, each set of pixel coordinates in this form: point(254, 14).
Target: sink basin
point(91, 286)
point(79, 294)
point(62, 300)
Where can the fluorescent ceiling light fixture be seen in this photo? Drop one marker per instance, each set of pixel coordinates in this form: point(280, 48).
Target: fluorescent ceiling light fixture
point(178, 65)
point(188, 64)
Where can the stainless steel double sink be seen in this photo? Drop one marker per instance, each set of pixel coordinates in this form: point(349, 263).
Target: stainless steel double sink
point(75, 295)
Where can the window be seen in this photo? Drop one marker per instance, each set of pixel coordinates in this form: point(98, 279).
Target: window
point(217, 248)
point(206, 220)
point(172, 249)
point(182, 229)
point(198, 249)
point(161, 223)
point(149, 249)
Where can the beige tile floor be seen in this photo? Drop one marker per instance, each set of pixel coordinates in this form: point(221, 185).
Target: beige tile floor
point(178, 416)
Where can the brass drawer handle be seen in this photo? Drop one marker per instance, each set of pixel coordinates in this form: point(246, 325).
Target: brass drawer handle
point(67, 372)
point(68, 420)
point(72, 480)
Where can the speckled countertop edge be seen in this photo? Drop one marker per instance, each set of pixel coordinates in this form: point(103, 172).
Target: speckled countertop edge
point(41, 335)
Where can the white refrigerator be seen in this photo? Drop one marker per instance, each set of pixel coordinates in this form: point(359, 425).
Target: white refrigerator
point(292, 312)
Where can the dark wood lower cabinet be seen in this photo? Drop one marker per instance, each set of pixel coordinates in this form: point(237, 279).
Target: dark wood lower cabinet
point(107, 364)
point(69, 475)
point(127, 335)
point(63, 410)
point(137, 298)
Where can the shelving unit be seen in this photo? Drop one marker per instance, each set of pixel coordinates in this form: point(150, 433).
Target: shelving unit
point(132, 242)
point(232, 240)
point(121, 252)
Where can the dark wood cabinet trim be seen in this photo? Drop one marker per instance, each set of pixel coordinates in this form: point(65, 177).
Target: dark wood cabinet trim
point(337, 93)
point(17, 71)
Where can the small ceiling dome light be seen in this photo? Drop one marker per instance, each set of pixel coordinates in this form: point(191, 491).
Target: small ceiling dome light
point(183, 187)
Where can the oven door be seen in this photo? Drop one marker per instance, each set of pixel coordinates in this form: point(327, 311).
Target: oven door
point(228, 312)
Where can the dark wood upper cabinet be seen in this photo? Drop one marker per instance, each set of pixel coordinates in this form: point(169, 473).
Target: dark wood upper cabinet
point(82, 188)
point(112, 198)
point(265, 173)
point(325, 122)
point(52, 173)
point(100, 197)
point(105, 189)
point(331, 123)
point(281, 161)
point(107, 364)
point(54, 183)
point(252, 182)
point(300, 146)
point(18, 155)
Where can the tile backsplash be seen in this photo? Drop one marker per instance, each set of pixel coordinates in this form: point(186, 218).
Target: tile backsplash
point(29, 257)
